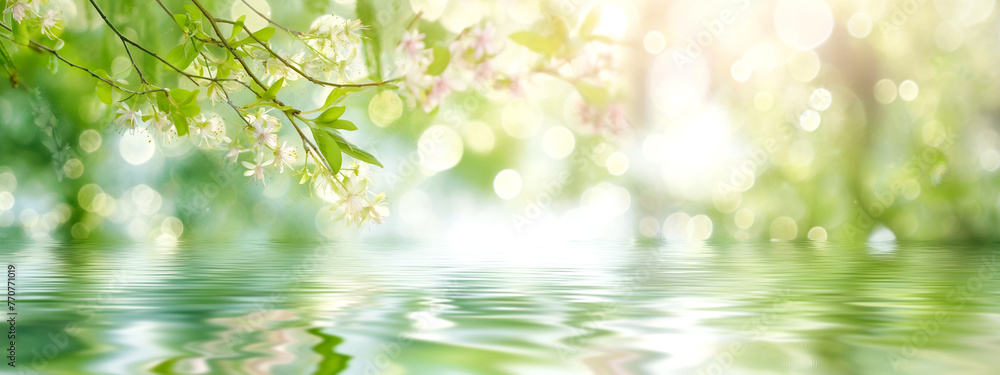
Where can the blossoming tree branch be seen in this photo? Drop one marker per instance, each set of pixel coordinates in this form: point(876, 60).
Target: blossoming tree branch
point(234, 64)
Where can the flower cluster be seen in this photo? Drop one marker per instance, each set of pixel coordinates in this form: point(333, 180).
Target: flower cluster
point(613, 118)
point(30, 11)
point(335, 43)
point(209, 131)
point(263, 131)
point(353, 202)
point(470, 58)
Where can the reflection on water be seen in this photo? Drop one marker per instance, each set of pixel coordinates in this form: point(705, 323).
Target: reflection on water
point(603, 308)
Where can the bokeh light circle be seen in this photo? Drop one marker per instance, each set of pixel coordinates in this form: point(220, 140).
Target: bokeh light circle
point(810, 120)
point(885, 91)
point(90, 140)
point(507, 184)
point(908, 90)
point(558, 142)
point(440, 148)
point(821, 99)
point(617, 163)
point(136, 147)
point(654, 42)
point(804, 66)
point(859, 25)
point(803, 24)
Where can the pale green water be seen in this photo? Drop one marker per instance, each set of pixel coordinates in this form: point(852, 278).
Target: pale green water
point(573, 308)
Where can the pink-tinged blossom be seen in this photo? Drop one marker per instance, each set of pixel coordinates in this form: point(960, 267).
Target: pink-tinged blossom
point(589, 116)
point(412, 44)
point(440, 89)
point(617, 119)
point(516, 85)
point(482, 40)
point(484, 72)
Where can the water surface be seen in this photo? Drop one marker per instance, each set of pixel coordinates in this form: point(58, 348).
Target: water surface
point(542, 308)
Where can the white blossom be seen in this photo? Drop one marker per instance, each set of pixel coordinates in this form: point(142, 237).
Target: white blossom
point(128, 117)
point(19, 9)
point(264, 127)
point(49, 22)
point(379, 208)
point(234, 149)
point(256, 169)
point(353, 200)
point(284, 156)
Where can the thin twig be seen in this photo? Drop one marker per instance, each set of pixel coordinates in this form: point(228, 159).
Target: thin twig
point(312, 79)
point(38, 46)
point(246, 67)
point(271, 21)
point(142, 78)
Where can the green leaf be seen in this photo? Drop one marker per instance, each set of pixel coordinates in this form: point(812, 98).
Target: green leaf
point(194, 13)
point(104, 93)
point(343, 125)
point(223, 70)
point(272, 92)
point(441, 59)
point(590, 22)
point(22, 35)
point(330, 149)
point(183, 107)
point(183, 55)
point(263, 35)
point(362, 155)
point(180, 123)
point(182, 20)
point(238, 27)
point(368, 15)
point(354, 151)
point(162, 102)
point(183, 97)
point(330, 115)
point(190, 110)
point(337, 94)
point(593, 94)
point(547, 45)
point(560, 29)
